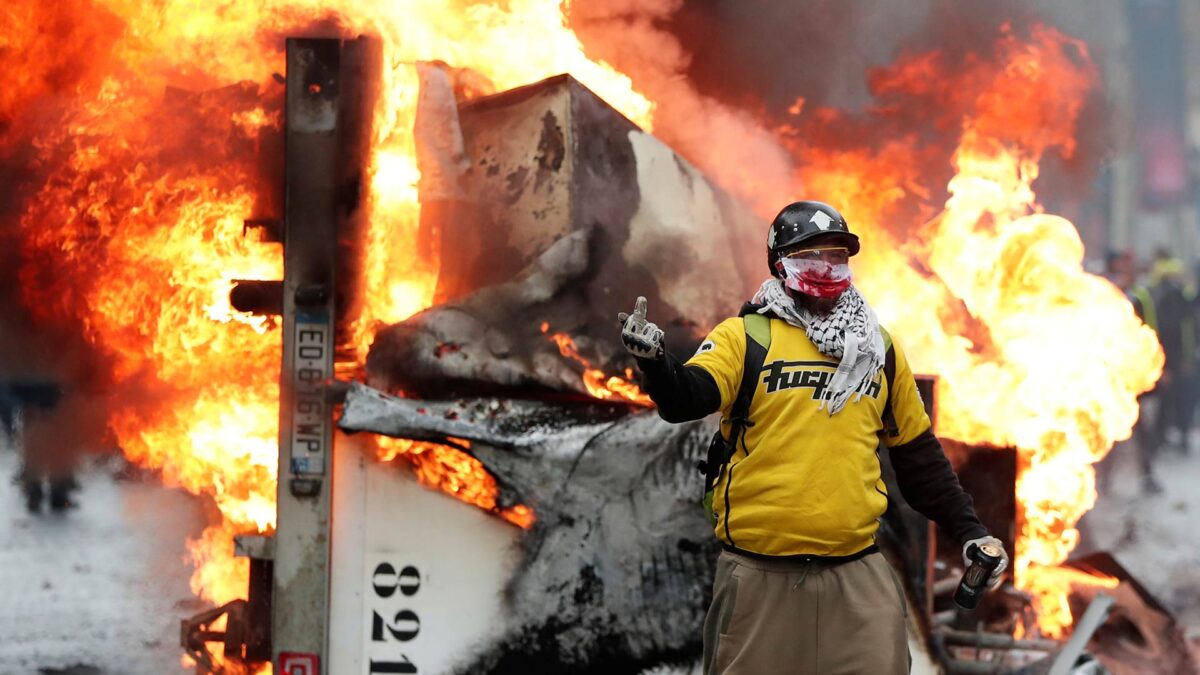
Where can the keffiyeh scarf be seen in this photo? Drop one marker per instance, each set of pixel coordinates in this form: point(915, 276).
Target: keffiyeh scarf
point(850, 333)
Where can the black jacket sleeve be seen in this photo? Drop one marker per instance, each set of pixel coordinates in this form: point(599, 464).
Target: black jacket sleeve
point(930, 486)
point(682, 393)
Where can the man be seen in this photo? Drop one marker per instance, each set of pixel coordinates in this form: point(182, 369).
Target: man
point(48, 459)
point(800, 585)
point(1176, 326)
point(1148, 434)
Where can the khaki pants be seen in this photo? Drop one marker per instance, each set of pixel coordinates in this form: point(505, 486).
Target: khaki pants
point(790, 617)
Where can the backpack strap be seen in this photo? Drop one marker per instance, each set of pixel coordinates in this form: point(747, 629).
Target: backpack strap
point(889, 375)
point(758, 341)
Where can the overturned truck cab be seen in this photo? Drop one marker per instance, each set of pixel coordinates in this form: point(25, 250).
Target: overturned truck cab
point(547, 209)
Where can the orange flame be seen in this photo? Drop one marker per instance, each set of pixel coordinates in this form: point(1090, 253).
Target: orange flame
point(1052, 586)
point(453, 471)
point(1031, 351)
point(144, 170)
point(144, 235)
point(599, 385)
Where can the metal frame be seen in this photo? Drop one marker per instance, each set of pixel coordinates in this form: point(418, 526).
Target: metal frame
point(300, 598)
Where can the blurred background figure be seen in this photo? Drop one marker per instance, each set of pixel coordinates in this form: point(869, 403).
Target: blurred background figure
point(1167, 303)
point(9, 408)
point(1175, 309)
point(1122, 269)
point(38, 428)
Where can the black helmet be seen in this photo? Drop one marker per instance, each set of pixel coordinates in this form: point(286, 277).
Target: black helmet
point(803, 223)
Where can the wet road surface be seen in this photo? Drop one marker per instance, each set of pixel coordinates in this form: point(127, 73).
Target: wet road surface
point(98, 589)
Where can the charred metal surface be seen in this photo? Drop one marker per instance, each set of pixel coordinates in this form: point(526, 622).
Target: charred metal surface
point(492, 340)
point(505, 424)
point(1139, 635)
point(267, 231)
point(257, 297)
point(552, 159)
point(498, 339)
point(508, 221)
point(989, 475)
point(617, 571)
point(258, 611)
point(197, 632)
point(246, 636)
point(360, 66)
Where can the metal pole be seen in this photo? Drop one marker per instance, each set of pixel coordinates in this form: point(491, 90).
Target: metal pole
point(1092, 619)
point(995, 640)
point(300, 602)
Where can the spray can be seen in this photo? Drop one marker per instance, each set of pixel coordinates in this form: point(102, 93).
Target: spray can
point(984, 560)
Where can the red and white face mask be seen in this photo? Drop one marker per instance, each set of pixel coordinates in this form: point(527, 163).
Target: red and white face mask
point(815, 277)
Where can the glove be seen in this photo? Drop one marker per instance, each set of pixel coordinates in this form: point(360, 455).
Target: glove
point(642, 339)
point(994, 580)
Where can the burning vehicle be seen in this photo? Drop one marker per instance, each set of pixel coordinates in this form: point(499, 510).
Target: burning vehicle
point(510, 368)
point(456, 243)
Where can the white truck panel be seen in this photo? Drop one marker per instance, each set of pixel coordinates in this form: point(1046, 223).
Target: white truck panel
point(417, 575)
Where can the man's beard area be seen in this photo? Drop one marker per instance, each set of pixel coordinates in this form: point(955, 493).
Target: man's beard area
point(812, 303)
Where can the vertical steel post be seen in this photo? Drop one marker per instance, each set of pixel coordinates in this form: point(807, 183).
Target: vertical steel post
point(300, 606)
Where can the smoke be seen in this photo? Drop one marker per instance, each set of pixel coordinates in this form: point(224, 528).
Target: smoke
point(764, 54)
point(726, 142)
point(760, 93)
point(62, 64)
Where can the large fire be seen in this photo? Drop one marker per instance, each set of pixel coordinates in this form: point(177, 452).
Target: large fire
point(140, 126)
point(143, 168)
point(990, 294)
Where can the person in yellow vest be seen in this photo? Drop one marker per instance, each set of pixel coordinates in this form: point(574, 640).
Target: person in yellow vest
point(1148, 434)
point(1176, 327)
point(800, 585)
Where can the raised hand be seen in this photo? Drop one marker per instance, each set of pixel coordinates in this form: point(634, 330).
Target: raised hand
point(640, 337)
